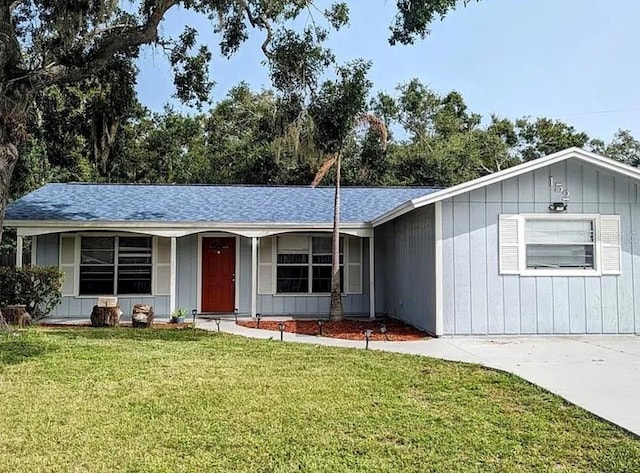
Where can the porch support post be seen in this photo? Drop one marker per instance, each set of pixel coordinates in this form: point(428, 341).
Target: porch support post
point(34, 250)
point(254, 276)
point(172, 277)
point(19, 246)
point(372, 280)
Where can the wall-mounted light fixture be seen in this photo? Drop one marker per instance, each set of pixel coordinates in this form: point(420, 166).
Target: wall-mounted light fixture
point(558, 207)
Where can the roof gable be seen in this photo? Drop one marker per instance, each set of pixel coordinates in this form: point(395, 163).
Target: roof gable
point(576, 153)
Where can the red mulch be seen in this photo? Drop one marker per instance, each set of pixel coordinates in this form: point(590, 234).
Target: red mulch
point(347, 329)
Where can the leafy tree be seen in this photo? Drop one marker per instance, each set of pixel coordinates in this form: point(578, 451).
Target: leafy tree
point(48, 43)
point(544, 136)
point(624, 148)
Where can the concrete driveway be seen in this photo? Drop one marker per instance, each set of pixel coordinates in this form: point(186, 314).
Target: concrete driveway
point(599, 373)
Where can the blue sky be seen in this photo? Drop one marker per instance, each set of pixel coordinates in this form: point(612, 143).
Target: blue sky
point(576, 60)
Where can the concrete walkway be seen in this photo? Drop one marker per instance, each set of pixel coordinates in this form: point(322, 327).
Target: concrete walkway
point(598, 373)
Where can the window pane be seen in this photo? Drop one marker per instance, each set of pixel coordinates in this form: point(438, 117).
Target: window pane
point(323, 245)
point(560, 256)
point(96, 280)
point(293, 259)
point(326, 259)
point(559, 231)
point(97, 243)
point(134, 260)
point(96, 257)
point(293, 279)
point(97, 250)
point(322, 279)
point(134, 250)
point(134, 280)
point(134, 243)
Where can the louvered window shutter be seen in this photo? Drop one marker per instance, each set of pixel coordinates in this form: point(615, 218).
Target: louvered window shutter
point(509, 234)
point(266, 283)
point(68, 264)
point(162, 270)
point(611, 248)
point(354, 265)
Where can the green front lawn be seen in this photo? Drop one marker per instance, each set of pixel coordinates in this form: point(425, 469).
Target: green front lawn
point(94, 400)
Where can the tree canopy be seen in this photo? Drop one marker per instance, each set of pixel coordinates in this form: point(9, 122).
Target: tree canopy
point(48, 48)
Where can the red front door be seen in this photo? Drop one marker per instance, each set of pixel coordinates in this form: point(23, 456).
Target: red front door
point(218, 274)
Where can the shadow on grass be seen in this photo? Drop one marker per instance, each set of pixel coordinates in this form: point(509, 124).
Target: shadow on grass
point(128, 333)
point(19, 348)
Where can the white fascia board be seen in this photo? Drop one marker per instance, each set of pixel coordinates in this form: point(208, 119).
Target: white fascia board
point(179, 229)
point(586, 156)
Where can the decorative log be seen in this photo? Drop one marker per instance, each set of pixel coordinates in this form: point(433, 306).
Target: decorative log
point(142, 316)
point(3, 325)
point(16, 315)
point(105, 316)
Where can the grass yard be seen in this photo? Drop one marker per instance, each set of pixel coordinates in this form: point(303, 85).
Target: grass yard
point(102, 400)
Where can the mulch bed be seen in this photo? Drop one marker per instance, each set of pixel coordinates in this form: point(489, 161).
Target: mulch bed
point(347, 329)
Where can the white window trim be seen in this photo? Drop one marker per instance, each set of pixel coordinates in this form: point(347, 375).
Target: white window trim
point(346, 267)
point(597, 247)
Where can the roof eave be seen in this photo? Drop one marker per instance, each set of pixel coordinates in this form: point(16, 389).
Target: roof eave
point(160, 228)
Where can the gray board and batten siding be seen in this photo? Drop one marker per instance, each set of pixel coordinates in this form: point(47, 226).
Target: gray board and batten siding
point(405, 268)
point(479, 300)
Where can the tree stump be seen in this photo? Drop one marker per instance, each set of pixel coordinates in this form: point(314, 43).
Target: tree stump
point(142, 316)
point(3, 325)
point(16, 315)
point(105, 316)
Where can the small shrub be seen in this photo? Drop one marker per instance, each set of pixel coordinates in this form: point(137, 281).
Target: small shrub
point(37, 287)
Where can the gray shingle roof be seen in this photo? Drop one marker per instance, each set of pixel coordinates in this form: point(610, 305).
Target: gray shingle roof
point(227, 204)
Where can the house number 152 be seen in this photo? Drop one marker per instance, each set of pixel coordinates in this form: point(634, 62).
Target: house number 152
point(559, 188)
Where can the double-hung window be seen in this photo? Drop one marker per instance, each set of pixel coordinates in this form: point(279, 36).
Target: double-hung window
point(558, 244)
point(321, 264)
point(304, 265)
point(115, 265)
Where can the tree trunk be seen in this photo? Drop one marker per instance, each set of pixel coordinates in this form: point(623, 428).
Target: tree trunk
point(8, 160)
point(336, 312)
point(142, 316)
point(105, 316)
point(16, 315)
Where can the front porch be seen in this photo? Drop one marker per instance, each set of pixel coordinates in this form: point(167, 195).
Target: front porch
point(274, 272)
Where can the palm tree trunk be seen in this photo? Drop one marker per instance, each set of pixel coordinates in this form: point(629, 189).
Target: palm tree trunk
point(336, 312)
point(8, 160)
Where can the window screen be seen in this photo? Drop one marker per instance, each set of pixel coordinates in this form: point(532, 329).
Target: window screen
point(560, 244)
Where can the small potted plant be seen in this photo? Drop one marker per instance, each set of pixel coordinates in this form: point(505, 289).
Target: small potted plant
point(178, 316)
